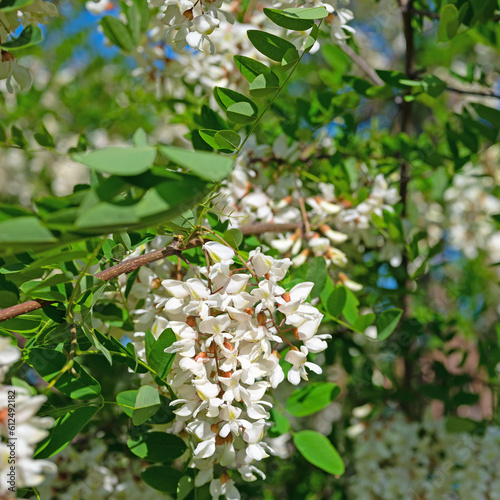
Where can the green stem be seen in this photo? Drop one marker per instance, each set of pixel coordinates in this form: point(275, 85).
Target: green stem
point(69, 310)
point(270, 103)
point(339, 321)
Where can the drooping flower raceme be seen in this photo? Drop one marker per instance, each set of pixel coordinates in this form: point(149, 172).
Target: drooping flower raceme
point(20, 431)
point(230, 325)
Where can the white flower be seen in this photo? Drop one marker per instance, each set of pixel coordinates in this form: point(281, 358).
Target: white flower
point(227, 489)
point(10, 69)
point(299, 362)
point(218, 252)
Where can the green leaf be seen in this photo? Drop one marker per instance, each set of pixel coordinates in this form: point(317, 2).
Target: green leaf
point(185, 486)
point(3, 133)
point(75, 383)
point(448, 23)
point(281, 424)
point(119, 161)
point(290, 57)
point(317, 273)
point(133, 21)
point(336, 301)
point(311, 39)
point(457, 424)
point(242, 112)
point(350, 309)
point(311, 399)
point(126, 401)
point(363, 322)
point(17, 137)
point(208, 135)
point(227, 139)
point(157, 446)
point(208, 166)
point(238, 108)
point(289, 20)
point(250, 68)
point(309, 13)
point(25, 230)
point(143, 8)
point(264, 84)
point(32, 286)
point(9, 293)
point(10, 5)
point(223, 140)
point(318, 450)
point(433, 85)
point(491, 115)
point(43, 137)
point(162, 478)
point(22, 324)
point(158, 359)
point(234, 237)
point(271, 46)
point(117, 33)
point(387, 322)
point(140, 137)
point(31, 35)
point(107, 215)
point(64, 430)
point(146, 404)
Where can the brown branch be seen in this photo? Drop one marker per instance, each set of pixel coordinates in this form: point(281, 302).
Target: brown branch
point(426, 13)
point(472, 92)
point(406, 127)
point(124, 267)
point(262, 227)
point(363, 65)
point(130, 265)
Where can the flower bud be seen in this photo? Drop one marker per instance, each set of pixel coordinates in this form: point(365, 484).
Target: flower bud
point(276, 353)
point(249, 310)
point(191, 321)
point(200, 356)
point(296, 333)
point(156, 283)
point(188, 14)
point(224, 477)
point(214, 428)
point(228, 346)
point(286, 297)
point(262, 318)
point(334, 236)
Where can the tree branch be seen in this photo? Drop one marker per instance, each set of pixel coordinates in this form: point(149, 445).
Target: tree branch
point(130, 265)
point(473, 92)
point(406, 127)
point(363, 65)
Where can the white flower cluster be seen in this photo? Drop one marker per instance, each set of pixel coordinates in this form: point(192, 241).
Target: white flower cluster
point(20, 431)
point(228, 332)
point(205, 24)
point(30, 13)
point(327, 221)
point(396, 459)
point(470, 205)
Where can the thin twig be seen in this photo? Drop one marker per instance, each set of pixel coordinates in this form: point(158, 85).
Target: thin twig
point(473, 92)
point(363, 65)
point(131, 265)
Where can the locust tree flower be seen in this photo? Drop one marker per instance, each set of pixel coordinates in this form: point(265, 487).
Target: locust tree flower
point(225, 361)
